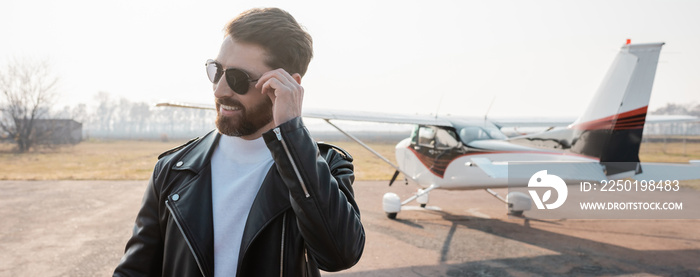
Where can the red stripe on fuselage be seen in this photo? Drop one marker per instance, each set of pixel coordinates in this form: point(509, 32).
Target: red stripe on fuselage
point(439, 166)
point(633, 119)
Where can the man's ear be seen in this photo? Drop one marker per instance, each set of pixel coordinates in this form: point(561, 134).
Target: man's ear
point(297, 77)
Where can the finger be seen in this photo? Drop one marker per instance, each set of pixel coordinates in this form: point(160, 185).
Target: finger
point(280, 74)
point(290, 96)
point(283, 75)
point(273, 86)
point(281, 88)
point(266, 77)
point(272, 97)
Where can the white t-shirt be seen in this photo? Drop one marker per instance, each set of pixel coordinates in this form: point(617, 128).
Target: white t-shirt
point(238, 168)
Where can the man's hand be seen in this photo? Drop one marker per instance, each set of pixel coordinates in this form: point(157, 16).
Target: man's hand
point(286, 93)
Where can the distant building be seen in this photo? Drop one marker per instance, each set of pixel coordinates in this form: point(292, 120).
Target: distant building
point(58, 131)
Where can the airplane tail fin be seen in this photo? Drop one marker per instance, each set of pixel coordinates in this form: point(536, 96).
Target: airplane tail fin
point(611, 127)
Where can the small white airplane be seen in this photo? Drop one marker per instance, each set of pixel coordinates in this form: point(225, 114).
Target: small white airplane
point(457, 153)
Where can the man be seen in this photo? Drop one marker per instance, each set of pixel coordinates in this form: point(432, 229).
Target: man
point(259, 197)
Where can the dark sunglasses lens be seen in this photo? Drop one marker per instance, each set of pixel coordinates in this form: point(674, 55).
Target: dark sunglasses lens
point(237, 80)
point(214, 72)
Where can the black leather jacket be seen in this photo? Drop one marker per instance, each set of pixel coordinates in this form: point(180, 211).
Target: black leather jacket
point(303, 219)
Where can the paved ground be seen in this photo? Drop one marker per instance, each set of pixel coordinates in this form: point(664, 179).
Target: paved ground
point(79, 228)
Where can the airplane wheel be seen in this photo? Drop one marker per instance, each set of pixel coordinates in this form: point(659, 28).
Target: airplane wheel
point(391, 204)
point(517, 213)
point(518, 202)
point(423, 205)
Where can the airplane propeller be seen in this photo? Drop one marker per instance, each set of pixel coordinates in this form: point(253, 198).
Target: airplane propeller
point(393, 178)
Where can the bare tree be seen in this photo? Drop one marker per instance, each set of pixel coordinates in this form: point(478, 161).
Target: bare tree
point(27, 91)
point(105, 113)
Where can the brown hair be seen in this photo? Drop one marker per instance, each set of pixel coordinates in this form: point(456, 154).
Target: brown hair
point(288, 46)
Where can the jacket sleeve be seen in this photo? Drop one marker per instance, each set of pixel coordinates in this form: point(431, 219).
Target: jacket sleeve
point(321, 196)
point(144, 250)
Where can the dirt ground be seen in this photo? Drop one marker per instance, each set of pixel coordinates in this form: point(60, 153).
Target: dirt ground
point(79, 228)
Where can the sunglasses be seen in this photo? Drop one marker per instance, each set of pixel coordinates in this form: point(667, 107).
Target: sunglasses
point(238, 80)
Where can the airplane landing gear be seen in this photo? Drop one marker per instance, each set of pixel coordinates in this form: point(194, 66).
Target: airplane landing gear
point(391, 203)
point(422, 199)
point(518, 202)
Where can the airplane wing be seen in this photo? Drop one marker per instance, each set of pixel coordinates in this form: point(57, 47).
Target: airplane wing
point(376, 117)
point(566, 121)
point(658, 118)
point(586, 171)
point(187, 105)
point(669, 171)
point(532, 121)
point(327, 114)
point(340, 115)
point(518, 170)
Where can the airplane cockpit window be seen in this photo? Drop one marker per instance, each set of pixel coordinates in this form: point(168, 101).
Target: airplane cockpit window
point(446, 139)
point(426, 136)
point(414, 135)
point(472, 133)
point(434, 137)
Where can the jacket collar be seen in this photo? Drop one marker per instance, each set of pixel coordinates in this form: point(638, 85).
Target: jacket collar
point(199, 155)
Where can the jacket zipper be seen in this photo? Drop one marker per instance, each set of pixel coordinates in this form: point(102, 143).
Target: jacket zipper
point(306, 259)
point(177, 222)
point(284, 223)
point(289, 155)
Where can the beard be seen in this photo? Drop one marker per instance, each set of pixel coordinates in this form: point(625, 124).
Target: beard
point(250, 121)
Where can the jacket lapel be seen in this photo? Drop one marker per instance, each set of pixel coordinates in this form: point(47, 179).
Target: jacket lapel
point(193, 205)
point(272, 199)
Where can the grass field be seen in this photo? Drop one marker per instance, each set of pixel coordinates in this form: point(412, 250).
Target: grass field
point(90, 160)
point(134, 160)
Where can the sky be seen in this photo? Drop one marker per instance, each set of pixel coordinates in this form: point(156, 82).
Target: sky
point(520, 58)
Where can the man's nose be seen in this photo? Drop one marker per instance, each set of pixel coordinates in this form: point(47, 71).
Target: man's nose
point(221, 89)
